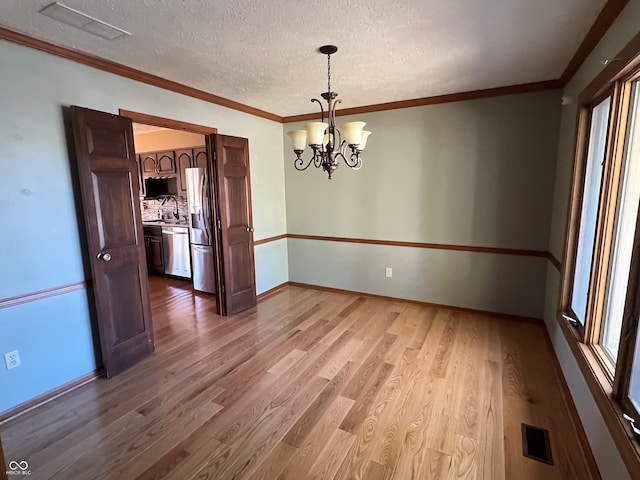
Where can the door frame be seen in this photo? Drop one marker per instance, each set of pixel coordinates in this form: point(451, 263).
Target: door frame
point(204, 130)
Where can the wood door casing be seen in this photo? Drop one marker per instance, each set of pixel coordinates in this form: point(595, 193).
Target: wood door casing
point(108, 182)
point(233, 192)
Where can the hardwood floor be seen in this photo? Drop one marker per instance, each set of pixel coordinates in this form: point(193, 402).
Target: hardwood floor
point(310, 385)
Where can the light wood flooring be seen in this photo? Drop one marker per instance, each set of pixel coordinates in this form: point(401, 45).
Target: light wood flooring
point(310, 385)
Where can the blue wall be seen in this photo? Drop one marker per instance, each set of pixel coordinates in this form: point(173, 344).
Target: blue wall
point(40, 240)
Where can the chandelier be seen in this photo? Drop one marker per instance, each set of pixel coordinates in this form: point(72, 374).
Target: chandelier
point(328, 143)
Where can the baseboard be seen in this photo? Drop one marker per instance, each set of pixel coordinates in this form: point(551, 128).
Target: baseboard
point(573, 411)
point(507, 316)
point(271, 291)
point(46, 397)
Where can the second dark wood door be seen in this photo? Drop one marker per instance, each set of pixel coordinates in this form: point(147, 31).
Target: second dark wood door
point(235, 249)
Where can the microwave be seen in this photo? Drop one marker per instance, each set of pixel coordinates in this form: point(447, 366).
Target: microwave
point(159, 187)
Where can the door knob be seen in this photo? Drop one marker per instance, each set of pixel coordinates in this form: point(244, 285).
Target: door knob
point(105, 257)
point(249, 229)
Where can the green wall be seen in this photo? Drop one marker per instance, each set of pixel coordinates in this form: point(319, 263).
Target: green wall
point(475, 173)
point(604, 450)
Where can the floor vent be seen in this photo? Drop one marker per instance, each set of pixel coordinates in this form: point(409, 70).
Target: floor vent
point(535, 444)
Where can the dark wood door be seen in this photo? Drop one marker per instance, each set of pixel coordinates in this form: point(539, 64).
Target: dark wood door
point(237, 285)
point(107, 169)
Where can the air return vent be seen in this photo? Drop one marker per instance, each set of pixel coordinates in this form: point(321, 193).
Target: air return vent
point(81, 20)
point(535, 444)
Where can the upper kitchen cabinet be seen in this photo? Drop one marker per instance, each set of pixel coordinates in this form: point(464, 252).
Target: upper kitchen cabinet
point(140, 176)
point(166, 162)
point(200, 157)
point(148, 164)
point(184, 160)
point(158, 163)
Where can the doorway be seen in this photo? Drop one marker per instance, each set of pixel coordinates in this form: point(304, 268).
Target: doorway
point(111, 177)
point(178, 243)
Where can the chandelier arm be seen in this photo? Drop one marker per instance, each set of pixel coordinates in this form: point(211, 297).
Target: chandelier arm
point(299, 163)
point(318, 159)
point(354, 161)
point(321, 108)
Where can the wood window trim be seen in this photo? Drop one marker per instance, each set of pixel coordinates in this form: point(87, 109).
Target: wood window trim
point(602, 393)
point(609, 395)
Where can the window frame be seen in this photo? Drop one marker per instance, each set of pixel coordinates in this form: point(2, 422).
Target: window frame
point(608, 382)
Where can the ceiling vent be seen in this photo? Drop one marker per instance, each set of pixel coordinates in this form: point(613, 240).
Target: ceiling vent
point(80, 20)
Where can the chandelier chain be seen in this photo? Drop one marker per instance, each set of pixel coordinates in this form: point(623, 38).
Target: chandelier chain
point(329, 73)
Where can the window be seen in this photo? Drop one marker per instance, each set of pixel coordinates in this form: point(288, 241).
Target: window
point(589, 215)
point(600, 297)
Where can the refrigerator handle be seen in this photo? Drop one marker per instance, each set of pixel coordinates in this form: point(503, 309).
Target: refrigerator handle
point(205, 207)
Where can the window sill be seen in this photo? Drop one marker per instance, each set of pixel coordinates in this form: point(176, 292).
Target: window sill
point(600, 387)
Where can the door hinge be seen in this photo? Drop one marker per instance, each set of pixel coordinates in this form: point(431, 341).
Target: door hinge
point(632, 422)
point(218, 222)
point(222, 287)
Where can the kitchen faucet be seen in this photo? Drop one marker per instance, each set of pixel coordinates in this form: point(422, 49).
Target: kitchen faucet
point(176, 214)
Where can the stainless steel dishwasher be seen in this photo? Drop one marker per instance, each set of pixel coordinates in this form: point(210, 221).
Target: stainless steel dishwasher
point(175, 241)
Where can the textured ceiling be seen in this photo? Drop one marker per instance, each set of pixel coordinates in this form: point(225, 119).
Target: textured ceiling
point(264, 53)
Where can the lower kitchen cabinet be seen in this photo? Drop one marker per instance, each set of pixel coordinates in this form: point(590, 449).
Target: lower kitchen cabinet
point(154, 249)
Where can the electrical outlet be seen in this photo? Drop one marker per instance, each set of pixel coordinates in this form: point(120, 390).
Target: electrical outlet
point(12, 359)
point(388, 272)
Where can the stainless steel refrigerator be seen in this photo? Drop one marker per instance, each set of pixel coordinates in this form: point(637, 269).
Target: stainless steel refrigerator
point(201, 223)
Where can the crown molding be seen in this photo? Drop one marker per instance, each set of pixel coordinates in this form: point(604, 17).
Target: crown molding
point(23, 39)
point(451, 97)
point(605, 19)
point(603, 22)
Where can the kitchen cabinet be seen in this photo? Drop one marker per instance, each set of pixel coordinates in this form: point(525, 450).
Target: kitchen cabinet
point(158, 163)
point(172, 164)
point(200, 157)
point(184, 160)
point(148, 162)
point(140, 176)
point(154, 249)
point(166, 163)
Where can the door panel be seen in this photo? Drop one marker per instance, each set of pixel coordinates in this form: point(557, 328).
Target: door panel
point(236, 208)
point(108, 182)
point(236, 265)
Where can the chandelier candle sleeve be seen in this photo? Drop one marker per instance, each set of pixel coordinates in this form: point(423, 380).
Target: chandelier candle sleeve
point(315, 132)
point(363, 140)
point(298, 139)
point(352, 132)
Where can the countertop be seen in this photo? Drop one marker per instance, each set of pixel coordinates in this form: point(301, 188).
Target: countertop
point(165, 223)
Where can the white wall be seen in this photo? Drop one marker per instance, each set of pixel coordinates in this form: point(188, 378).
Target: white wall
point(40, 243)
point(607, 457)
point(476, 173)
